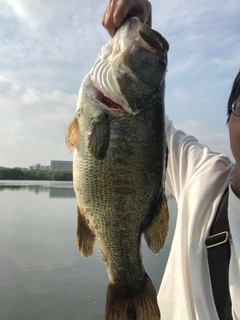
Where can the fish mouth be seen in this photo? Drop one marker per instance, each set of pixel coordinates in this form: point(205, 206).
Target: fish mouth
point(104, 76)
point(110, 65)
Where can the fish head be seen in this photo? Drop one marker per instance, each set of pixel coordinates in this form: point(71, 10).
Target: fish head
point(130, 68)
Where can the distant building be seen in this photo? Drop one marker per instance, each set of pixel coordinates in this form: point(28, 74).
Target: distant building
point(38, 166)
point(55, 165)
point(61, 165)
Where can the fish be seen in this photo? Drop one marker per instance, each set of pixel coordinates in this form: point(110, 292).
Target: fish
point(119, 160)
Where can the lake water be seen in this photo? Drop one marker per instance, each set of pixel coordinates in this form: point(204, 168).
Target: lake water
point(42, 275)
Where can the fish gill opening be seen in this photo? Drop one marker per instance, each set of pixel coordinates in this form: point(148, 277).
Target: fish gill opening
point(108, 102)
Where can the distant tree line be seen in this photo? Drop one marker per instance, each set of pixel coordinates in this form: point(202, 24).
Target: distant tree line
point(25, 174)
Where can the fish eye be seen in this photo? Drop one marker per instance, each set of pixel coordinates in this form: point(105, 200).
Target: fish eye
point(162, 63)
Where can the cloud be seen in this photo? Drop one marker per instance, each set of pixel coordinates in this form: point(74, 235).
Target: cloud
point(6, 86)
point(34, 12)
point(183, 66)
point(56, 15)
point(48, 46)
point(180, 93)
point(203, 37)
point(33, 125)
point(52, 51)
point(231, 61)
point(14, 133)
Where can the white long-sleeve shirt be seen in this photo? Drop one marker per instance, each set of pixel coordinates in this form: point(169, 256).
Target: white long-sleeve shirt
point(197, 177)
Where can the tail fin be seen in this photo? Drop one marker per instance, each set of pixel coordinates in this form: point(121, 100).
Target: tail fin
point(142, 306)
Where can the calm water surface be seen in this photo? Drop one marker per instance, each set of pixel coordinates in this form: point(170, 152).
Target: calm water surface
point(42, 275)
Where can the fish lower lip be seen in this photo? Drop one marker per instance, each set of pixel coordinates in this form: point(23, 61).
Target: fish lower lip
point(108, 102)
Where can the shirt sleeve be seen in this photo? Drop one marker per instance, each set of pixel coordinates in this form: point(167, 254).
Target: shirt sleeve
point(234, 267)
point(187, 158)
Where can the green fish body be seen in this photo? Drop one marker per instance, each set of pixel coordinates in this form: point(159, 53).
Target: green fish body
point(119, 158)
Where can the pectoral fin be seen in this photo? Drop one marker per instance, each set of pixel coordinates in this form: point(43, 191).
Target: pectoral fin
point(99, 137)
point(156, 233)
point(85, 236)
point(72, 134)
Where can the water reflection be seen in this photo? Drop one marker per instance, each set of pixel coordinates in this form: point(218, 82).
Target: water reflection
point(61, 193)
point(42, 274)
point(55, 189)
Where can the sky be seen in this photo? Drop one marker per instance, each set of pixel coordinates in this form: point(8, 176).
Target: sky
point(48, 46)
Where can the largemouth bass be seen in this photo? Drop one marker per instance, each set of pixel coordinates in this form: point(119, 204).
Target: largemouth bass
point(118, 141)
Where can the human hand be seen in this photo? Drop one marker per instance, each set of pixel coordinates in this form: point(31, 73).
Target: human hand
point(117, 10)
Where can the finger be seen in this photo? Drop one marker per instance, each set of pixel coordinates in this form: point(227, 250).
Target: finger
point(114, 15)
point(119, 15)
point(109, 26)
point(149, 21)
point(117, 10)
point(122, 12)
point(107, 20)
point(135, 13)
point(144, 12)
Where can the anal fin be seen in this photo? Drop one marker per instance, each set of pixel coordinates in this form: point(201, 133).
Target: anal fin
point(85, 236)
point(155, 234)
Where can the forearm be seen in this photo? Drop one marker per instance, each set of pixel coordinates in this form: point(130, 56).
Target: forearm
point(187, 158)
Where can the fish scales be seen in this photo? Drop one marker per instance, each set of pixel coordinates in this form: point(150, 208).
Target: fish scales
point(118, 171)
point(129, 174)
